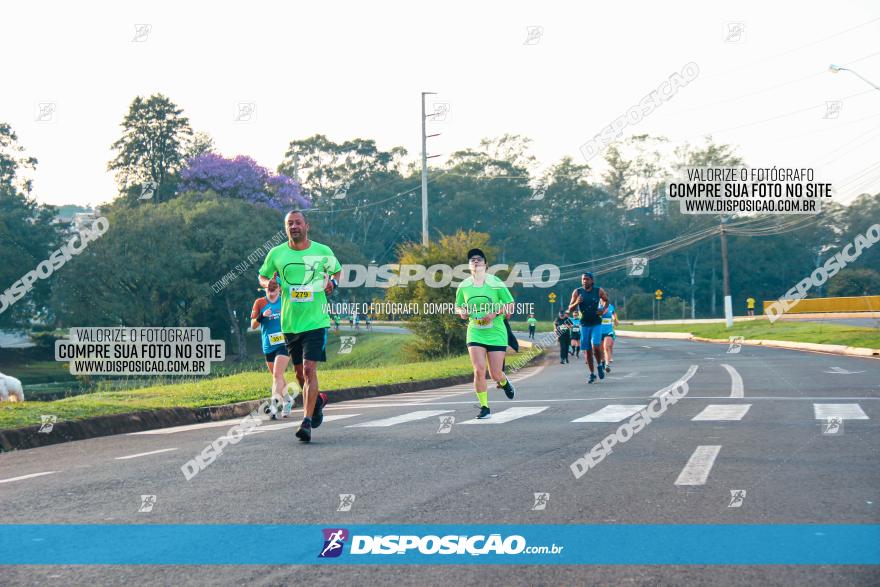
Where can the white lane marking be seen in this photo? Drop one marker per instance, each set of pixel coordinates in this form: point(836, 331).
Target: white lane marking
point(612, 413)
point(356, 406)
point(410, 417)
point(683, 379)
point(843, 411)
point(696, 471)
point(294, 424)
point(839, 371)
point(31, 476)
point(722, 412)
point(736, 382)
point(143, 454)
point(187, 427)
point(508, 415)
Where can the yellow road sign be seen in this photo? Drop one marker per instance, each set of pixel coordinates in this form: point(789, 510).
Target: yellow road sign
point(551, 297)
point(658, 294)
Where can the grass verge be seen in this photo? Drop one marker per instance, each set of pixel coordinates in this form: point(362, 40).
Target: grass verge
point(782, 330)
point(217, 391)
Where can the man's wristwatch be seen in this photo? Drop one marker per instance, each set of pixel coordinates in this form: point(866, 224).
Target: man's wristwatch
point(334, 282)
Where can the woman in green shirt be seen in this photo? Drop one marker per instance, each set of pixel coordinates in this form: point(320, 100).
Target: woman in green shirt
point(484, 301)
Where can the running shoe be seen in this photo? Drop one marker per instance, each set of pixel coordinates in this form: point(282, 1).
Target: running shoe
point(287, 408)
point(592, 378)
point(607, 369)
point(318, 414)
point(305, 431)
point(274, 409)
point(601, 370)
point(484, 413)
point(509, 391)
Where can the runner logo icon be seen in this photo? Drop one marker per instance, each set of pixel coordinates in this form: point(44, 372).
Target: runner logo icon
point(334, 540)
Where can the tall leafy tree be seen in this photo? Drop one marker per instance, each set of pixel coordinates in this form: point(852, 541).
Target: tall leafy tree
point(155, 135)
point(27, 233)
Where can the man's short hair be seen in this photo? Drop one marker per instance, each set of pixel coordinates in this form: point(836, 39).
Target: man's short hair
point(305, 218)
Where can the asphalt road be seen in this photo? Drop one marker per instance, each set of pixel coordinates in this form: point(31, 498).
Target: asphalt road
point(680, 469)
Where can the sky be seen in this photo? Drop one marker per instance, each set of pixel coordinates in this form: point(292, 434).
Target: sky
point(556, 72)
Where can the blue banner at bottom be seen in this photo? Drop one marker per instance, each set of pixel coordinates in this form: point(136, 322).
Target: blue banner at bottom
point(197, 544)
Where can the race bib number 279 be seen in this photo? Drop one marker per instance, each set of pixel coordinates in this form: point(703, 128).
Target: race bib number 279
point(301, 293)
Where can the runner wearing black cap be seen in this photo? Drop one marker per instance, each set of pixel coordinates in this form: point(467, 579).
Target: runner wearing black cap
point(483, 300)
point(591, 301)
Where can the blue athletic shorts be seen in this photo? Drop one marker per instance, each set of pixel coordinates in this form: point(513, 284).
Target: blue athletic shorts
point(591, 335)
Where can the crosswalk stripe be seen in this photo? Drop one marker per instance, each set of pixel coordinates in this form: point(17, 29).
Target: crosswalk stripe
point(843, 411)
point(410, 417)
point(722, 412)
point(696, 471)
point(508, 415)
point(187, 427)
point(297, 422)
point(612, 413)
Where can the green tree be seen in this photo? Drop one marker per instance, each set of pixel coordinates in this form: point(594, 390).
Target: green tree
point(855, 282)
point(155, 135)
point(27, 233)
point(438, 334)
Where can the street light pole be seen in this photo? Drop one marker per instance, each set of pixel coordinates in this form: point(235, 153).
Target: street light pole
point(424, 173)
point(837, 69)
point(728, 301)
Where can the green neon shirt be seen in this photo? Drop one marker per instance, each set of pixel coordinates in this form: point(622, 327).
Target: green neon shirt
point(302, 276)
point(481, 301)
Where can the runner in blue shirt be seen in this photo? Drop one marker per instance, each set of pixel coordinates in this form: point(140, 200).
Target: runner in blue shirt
point(575, 333)
point(267, 313)
point(609, 321)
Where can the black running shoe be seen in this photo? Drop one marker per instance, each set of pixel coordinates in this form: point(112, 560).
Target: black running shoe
point(592, 378)
point(318, 414)
point(484, 413)
point(601, 370)
point(509, 391)
point(305, 431)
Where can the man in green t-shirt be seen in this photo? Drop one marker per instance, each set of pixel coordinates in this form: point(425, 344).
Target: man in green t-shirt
point(307, 272)
point(483, 300)
point(532, 324)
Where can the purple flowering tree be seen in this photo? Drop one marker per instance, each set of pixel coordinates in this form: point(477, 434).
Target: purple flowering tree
point(244, 179)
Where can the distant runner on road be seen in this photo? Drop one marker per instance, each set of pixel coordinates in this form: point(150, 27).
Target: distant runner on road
point(609, 321)
point(590, 301)
point(562, 327)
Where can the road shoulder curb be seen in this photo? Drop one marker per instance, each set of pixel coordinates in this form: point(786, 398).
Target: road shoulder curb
point(69, 430)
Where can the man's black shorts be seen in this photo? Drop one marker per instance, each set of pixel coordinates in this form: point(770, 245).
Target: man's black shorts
point(310, 345)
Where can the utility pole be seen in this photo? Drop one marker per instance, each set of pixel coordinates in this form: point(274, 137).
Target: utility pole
point(728, 301)
point(425, 171)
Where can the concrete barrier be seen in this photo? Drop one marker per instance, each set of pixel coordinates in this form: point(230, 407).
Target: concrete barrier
point(823, 305)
